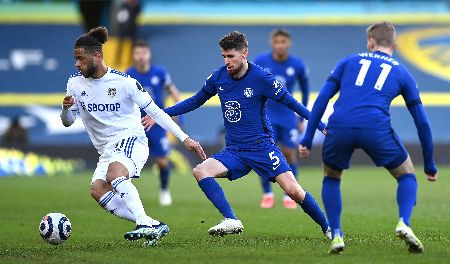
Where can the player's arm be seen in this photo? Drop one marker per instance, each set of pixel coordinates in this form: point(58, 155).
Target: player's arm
point(208, 90)
point(412, 99)
point(278, 93)
point(68, 112)
point(424, 131)
point(303, 81)
point(172, 89)
point(330, 88)
point(146, 103)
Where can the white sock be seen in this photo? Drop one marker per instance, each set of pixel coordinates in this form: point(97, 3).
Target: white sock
point(114, 204)
point(130, 197)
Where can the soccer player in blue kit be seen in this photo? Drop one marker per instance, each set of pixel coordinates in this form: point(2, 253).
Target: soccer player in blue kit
point(243, 89)
point(155, 80)
point(368, 82)
point(287, 69)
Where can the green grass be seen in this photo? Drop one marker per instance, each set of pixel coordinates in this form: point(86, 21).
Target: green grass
point(277, 235)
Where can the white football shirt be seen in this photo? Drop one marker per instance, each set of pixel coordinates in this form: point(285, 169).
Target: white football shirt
point(109, 106)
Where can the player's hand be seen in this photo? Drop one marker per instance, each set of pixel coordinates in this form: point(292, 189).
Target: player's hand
point(304, 152)
point(432, 177)
point(68, 101)
point(193, 145)
point(147, 122)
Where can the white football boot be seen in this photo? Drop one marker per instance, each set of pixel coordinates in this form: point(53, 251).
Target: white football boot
point(226, 227)
point(165, 199)
point(405, 233)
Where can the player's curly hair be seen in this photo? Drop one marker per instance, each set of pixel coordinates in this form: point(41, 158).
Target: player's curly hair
point(93, 40)
point(234, 40)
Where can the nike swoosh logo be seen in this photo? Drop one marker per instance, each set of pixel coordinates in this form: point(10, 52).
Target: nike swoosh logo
point(220, 88)
point(276, 167)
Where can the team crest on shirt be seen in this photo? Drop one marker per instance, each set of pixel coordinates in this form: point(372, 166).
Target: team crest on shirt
point(248, 92)
point(290, 71)
point(154, 80)
point(112, 92)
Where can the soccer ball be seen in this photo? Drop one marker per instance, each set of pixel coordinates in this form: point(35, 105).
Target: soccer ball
point(55, 228)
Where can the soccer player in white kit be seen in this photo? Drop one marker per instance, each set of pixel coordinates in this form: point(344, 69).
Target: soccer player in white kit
point(109, 102)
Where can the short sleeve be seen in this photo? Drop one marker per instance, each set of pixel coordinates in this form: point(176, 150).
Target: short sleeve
point(138, 94)
point(336, 73)
point(410, 90)
point(167, 79)
point(272, 88)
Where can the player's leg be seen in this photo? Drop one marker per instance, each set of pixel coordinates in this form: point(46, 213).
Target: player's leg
point(337, 150)
point(159, 148)
point(388, 151)
point(289, 140)
point(306, 200)
point(102, 192)
point(163, 163)
point(221, 165)
point(272, 165)
point(268, 199)
point(124, 164)
point(406, 200)
point(332, 200)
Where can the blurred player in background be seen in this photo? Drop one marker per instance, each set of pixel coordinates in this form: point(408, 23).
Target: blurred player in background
point(287, 69)
point(243, 89)
point(108, 102)
point(367, 83)
point(155, 80)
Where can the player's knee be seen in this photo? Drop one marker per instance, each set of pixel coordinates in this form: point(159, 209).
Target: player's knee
point(115, 170)
point(162, 163)
point(331, 172)
point(199, 172)
point(96, 193)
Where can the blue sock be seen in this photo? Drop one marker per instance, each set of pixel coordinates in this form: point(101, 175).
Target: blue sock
point(267, 186)
point(216, 195)
point(406, 196)
point(310, 207)
point(332, 200)
point(164, 175)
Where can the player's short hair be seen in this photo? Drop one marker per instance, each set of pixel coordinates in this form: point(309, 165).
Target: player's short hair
point(140, 43)
point(383, 33)
point(234, 40)
point(93, 40)
point(280, 32)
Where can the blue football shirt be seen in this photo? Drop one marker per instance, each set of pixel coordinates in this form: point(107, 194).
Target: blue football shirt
point(243, 103)
point(287, 72)
point(154, 81)
point(368, 82)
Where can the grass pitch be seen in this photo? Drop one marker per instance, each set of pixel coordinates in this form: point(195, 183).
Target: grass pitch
point(271, 235)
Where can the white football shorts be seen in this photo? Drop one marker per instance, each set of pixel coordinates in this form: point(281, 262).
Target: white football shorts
point(131, 151)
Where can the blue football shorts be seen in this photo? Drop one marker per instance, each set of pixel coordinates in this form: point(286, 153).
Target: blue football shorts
point(382, 145)
point(287, 135)
point(158, 142)
point(267, 162)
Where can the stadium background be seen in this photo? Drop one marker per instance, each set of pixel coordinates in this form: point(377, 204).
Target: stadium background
point(36, 58)
point(36, 39)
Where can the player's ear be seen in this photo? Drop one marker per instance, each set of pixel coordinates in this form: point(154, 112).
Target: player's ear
point(245, 53)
